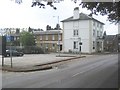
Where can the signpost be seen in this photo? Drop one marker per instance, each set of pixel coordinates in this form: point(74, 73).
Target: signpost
point(3, 48)
point(9, 39)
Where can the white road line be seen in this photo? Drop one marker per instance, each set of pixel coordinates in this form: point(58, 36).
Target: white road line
point(75, 74)
point(78, 73)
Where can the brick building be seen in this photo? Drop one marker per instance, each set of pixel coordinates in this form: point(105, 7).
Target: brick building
point(111, 43)
point(48, 40)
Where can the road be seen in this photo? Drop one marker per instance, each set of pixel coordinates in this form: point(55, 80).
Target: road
point(99, 71)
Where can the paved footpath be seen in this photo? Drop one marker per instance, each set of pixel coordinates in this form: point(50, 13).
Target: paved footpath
point(30, 60)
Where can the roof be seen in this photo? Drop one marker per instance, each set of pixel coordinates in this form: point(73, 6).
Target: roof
point(110, 37)
point(82, 16)
point(47, 32)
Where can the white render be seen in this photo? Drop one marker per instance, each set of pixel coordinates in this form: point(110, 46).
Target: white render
point(119, 28)
point(76, 13)
point(85, 35)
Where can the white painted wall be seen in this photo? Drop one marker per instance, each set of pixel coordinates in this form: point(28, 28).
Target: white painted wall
point(76, 13)
point(68, 37)
point(119, 28)
point(85, 33)
point(94, 38)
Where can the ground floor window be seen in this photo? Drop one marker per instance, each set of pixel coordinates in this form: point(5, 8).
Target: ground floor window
point(53, 46)
point(93, 44)
point(75, 44)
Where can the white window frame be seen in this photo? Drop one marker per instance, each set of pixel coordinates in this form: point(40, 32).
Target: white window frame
point(98, 25)
point(15, 39)
point(53, 37)
point(93, 44)
point(46, 37)
point(41, 45)
point(53, 46)
point(41, 37)
point(93, 32)
point(75, 44)
point(98, 34)
point(59, 37)
point(75, 32)
point(93, 23)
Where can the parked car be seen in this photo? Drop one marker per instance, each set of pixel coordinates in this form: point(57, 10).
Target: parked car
point(14, 53)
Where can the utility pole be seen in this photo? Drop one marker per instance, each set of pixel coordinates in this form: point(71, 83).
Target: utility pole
point(58, 37)
point(10, 49)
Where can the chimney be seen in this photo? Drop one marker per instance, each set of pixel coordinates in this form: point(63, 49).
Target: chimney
point(76, 13)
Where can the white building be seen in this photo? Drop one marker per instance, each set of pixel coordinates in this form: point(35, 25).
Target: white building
point(85, 29)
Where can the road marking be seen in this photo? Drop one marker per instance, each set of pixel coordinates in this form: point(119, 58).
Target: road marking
point(75, 74)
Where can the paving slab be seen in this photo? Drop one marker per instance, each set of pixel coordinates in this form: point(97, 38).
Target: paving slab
point(33, 62)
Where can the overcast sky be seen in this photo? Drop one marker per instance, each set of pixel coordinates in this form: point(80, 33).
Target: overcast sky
point(13, 15)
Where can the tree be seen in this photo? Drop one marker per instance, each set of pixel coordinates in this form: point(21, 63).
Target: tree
point(30, 30)
point(104, 8)
point(17, 30)
point(27, 39)
point(57, 27)
point(48, 27)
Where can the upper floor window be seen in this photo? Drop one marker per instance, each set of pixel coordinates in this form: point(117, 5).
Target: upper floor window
point(59, 37)
point(97, 24)
point(93, 32)
point(41, 44)
point(46, 37)
point(93, 23)
point(53, 37)
point(75, 32)
point(53, 46)
point(101, 26)
point(97, 33)
point(40, 37)
point(101, 33)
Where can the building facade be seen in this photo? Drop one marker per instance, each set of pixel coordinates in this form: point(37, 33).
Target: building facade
point(111, 43)
point(0, 45)
point(48, 40)
point(82, 29)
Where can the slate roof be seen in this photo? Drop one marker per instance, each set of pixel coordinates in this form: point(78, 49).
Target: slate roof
point(110, 37)
point(47, 32)
point(82, 16)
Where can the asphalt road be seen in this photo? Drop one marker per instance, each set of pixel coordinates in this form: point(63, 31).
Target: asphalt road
point(99, 71)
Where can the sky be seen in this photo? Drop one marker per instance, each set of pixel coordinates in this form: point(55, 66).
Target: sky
point(13, 15)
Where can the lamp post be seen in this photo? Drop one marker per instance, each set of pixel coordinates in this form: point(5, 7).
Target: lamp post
point(80, 43)
point(10, 48)
point(2, 41)
point(58, 36)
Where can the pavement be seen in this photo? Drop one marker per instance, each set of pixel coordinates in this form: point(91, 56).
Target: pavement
point(34, 62)
point(97, 71)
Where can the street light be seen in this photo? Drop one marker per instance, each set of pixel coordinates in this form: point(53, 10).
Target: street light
point(58, 36)
point(9, 35)
point(2, 47)
point(80, 43)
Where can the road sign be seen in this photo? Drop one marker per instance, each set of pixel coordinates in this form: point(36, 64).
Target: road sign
point(80, 43)
point(8, 38)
